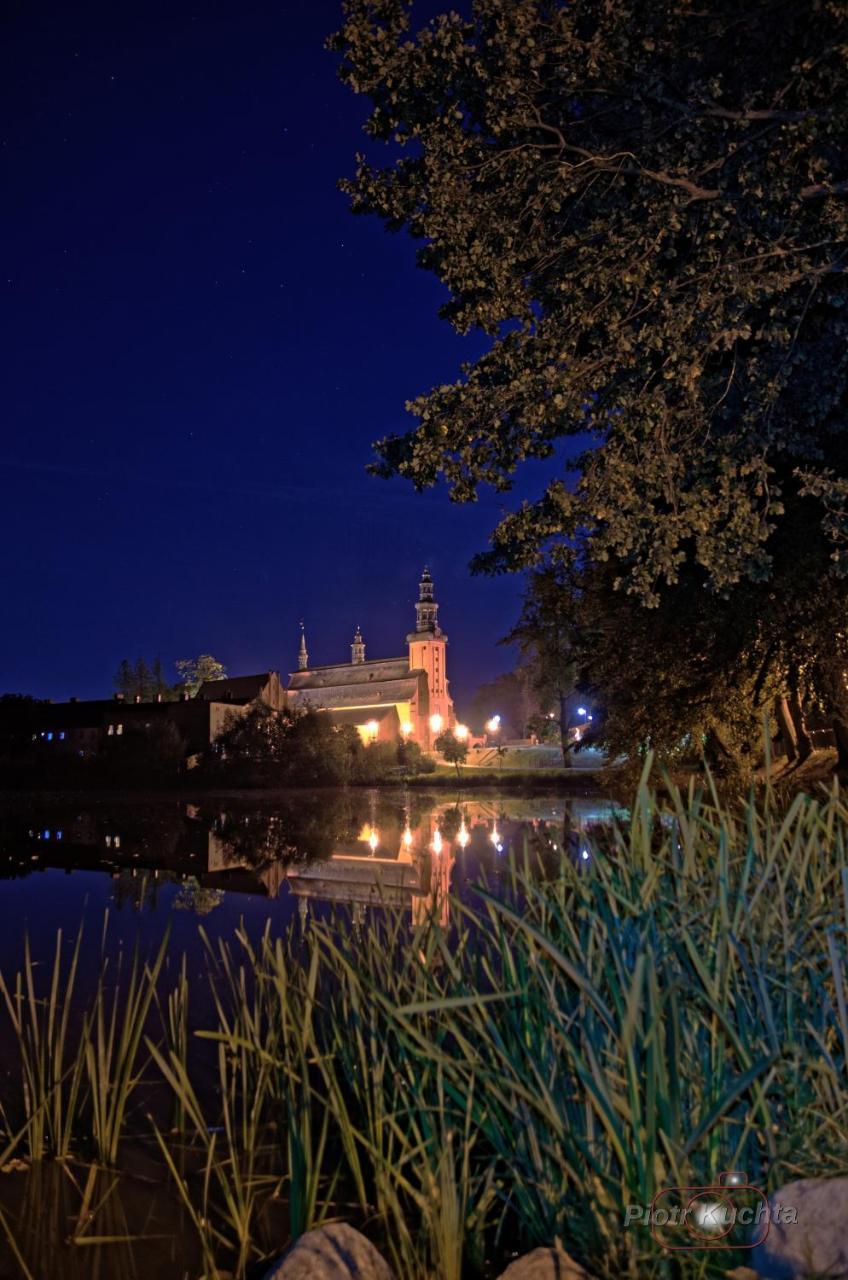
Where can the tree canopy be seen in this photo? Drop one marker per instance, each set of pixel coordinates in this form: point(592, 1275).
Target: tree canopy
point(645, 207)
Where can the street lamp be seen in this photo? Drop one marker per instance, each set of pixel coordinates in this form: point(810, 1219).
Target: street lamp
point(436, 723)
point(493, 725)
point(460, 731)
point(406, 728)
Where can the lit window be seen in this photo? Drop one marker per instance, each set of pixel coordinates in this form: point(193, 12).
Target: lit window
point(50, 736)
point(62, 735)
point(110, 730)
point(120, 729)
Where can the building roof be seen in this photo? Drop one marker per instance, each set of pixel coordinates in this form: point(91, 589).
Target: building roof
point(359, 694)
point(234, 688)
point(350, 673)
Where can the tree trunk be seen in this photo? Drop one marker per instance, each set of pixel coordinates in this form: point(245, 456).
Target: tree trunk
point(799, 721)
point(563, 731)
point(788, 734)
point(840, 733)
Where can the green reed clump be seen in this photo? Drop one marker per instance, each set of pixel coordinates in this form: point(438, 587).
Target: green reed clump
point(79, 1063)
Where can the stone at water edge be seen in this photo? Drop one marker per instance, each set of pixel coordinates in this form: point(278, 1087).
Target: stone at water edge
point(816, 1242)
point(545, 1264)
point(336, 1252)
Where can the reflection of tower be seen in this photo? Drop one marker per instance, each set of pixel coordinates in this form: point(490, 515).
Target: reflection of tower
point(435, 873)
point(303, 656)
point(428, 653)
point(357, 649)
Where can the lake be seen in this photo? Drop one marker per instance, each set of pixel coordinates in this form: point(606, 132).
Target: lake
point(207, 864)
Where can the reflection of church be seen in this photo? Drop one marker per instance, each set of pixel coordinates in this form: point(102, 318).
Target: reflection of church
point(385, 698)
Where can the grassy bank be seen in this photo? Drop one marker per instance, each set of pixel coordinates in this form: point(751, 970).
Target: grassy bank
point(669, 1006)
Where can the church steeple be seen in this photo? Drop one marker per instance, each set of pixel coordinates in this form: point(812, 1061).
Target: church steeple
point(426, 610)
point(303, 656)
point(357, 649)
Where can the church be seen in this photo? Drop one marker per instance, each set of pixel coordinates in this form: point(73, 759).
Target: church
point(384, 698)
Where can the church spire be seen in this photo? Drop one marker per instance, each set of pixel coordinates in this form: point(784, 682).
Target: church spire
point(357, 649)
point(303, 656)
point(426, 610)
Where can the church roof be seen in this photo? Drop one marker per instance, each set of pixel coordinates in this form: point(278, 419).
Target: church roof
point(350, 673)
point(234, 688)
point(358, 693)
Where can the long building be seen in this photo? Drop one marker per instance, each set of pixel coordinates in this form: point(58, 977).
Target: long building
point(386, 699)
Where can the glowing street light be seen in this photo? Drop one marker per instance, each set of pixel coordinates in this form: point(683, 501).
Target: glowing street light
point(581, 711)
point(372, 729)
point(406, 728)
point(493, 725)
point(460, 731)
point(437, 841)
point(436, 723)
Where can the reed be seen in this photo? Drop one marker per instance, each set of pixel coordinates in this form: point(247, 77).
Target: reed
point(673, 1005)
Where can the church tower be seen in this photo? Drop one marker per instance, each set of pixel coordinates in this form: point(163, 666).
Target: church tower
point(303, 656)
point(357, 649)
point(428, 653)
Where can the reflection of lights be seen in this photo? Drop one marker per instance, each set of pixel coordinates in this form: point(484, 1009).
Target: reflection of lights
point(372, 729)
point(437, 841)
point(436, 722)
point(406, 728)
point(460, 731)
point(462, 836)
point(407, 838)
point(374, 839)
point(496, 838)
point(493, 725)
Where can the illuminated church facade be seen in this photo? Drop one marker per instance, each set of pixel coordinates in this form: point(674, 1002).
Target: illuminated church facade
point(384, 698)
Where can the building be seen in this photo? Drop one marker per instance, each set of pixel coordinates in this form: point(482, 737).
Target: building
point(384, 698)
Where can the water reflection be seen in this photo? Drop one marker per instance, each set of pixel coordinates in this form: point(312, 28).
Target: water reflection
point(360, 849)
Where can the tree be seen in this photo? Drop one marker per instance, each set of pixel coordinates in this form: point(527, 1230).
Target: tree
point(125, 681)
point(645, 209)
point(193, 671)
point(453, 749)
point(545, 635)
point(159, 685)
point(511, 696)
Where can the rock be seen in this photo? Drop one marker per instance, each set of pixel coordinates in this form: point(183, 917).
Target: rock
point(808, 1232)
point(545, 1264)
point(337, 1252)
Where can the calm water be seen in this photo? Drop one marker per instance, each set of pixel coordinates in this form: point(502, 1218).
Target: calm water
point(217, 861)
point(220, 860)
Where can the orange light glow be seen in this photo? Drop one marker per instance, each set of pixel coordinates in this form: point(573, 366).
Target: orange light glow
point(437, 841)
point(461, 732)
point(436, 723)
point(374, 839)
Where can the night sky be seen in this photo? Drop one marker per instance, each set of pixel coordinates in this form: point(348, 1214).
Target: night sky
point(200, 344)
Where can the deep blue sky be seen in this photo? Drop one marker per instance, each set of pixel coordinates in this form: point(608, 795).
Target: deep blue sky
point(200, 343)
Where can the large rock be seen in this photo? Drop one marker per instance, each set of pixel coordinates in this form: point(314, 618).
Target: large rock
point(336, 1252)
point(545, 1264)
point(808, 1232)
